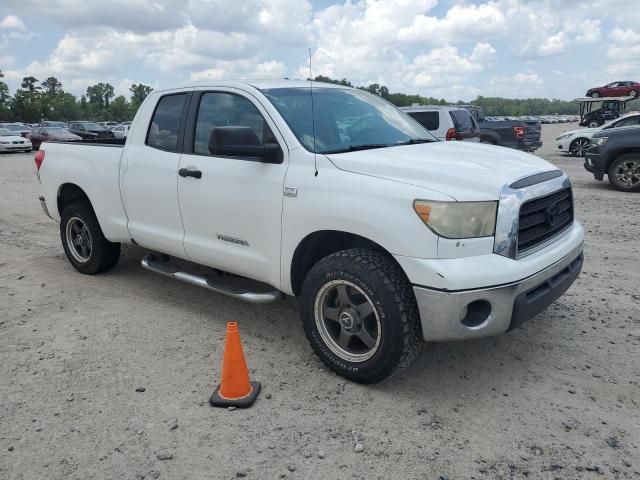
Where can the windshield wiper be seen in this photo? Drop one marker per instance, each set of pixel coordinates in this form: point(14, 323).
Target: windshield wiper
point(355, 148)
point(415, 141)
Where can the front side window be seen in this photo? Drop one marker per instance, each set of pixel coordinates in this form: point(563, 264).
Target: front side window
point(165, 124)
point(344, 119)
point(218, 109)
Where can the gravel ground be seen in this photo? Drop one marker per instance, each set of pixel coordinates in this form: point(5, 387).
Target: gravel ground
point(557, 398)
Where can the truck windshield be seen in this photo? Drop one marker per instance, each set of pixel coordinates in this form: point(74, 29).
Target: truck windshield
point(345, 119)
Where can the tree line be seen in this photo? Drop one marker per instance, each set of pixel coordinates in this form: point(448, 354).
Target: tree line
point(492, 106)
point(37, 100)
point(46, 100)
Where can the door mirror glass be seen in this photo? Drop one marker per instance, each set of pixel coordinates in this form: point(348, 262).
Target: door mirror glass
point(238, 141)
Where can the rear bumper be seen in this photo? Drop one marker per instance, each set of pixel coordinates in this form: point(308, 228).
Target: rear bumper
point(529, 146)
point(467, 314)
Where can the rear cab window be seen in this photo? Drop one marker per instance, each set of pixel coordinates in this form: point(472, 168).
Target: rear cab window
point(165, 123)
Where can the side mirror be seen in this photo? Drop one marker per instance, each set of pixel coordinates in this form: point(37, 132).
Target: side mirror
point(242, 142)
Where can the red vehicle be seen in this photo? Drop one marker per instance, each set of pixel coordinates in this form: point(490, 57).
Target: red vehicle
point(615, 89)
point(51, 134)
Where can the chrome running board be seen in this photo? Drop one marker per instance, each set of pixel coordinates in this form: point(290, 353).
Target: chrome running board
point(152, 263)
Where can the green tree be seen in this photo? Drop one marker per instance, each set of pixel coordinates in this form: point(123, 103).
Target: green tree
point(5, 100)
point(120, 110)
point(30, 83)
point(52, 86)
point(139, 91)
point(99, 97)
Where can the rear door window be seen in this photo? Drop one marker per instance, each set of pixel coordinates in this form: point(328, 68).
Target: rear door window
point(165, 124)
point(463, 121)
point(429, 120)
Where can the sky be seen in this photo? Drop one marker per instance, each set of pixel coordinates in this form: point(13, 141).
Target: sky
point(453, 49)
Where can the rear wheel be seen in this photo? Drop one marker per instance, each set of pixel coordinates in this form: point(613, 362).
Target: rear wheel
point(83, 241)
point(633, 93)
point(624, 173)
point(579, 146)
point(360, 315)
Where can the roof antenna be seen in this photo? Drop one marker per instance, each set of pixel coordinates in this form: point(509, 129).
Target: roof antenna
point(313, 119)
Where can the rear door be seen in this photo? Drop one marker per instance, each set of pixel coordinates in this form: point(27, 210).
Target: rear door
point(150, 176)
point(232, 212)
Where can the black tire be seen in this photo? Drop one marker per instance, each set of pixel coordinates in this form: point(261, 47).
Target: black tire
point(595, 95)
point(102, 254)
point(629, 162)
point(488, 141)
point(391, 296)
point(578, 147)
point(633, 93)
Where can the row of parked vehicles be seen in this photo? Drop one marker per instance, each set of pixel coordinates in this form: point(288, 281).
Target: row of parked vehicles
point(18, 137)
point(469, 123)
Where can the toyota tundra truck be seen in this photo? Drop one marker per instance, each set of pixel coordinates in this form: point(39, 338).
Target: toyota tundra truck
point(387, 236)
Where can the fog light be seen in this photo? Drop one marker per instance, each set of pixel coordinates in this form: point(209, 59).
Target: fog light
point(477, 312)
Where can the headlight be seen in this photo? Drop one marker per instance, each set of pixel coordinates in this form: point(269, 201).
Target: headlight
point(599, 141)
point(458, 219)
point(562, 137)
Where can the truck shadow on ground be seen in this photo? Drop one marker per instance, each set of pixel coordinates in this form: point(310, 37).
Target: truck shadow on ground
point(453, 368)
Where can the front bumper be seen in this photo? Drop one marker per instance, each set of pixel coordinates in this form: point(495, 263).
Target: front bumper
point(592, 163)
point(467, 314)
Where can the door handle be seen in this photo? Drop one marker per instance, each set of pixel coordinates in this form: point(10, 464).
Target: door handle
point(185, 172)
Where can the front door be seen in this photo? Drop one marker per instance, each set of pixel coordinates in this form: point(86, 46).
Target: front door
point(231, 206)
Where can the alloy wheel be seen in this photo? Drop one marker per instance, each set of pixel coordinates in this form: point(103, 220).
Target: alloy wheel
point(79, 239)
point(579, 147)
point(627, 174)
point(347, 321)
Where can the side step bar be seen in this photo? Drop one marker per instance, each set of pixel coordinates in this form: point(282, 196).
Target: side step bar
point(150, 262)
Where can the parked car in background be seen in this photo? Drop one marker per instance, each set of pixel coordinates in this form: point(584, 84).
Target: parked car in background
point(513, 133)
point(51, 123)
point(40, 135)
point(446, 123)
point(615, 89)
point(10, 142)
point(576, 142)
point(616, 153)
point(17, 128)
point(126, 123)
point(109, 125)
point(90, 130)
point(121, 131)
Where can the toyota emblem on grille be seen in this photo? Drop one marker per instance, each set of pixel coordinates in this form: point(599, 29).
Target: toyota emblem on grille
point(553, 214)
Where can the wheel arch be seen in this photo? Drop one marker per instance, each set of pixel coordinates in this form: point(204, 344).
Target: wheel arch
point(69, 193)
point(618, 153)
point(322, 243)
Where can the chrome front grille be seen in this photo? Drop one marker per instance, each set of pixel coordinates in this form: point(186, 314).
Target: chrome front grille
point(543, 218)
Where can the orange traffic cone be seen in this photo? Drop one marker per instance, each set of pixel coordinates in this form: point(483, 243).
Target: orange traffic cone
point(235, 389)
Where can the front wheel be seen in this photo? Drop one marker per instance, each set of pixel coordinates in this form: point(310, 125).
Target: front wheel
point(83, 241)
point(594, 124)
point(624, 173)
point(595, 95)
point(579, 147)
point(633, 93)
point(360, 315)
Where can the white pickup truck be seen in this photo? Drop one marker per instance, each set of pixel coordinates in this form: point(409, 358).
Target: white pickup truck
point(330, 194)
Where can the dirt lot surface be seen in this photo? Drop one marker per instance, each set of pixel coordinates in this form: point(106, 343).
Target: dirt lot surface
point(557, 398)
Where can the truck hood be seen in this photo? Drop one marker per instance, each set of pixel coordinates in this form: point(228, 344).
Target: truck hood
point(462, 170)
